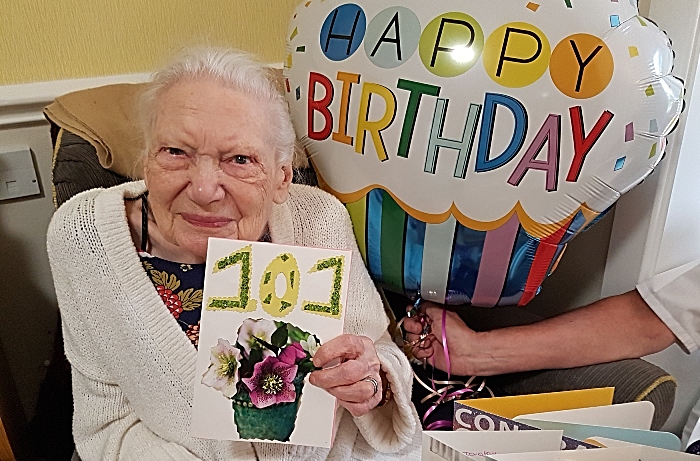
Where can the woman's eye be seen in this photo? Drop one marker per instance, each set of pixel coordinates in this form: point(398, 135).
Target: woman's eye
point(174, 151)
point(240, 159)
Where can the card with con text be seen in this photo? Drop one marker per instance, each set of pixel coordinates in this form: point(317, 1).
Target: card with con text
point(266, 309)
point(468, 418)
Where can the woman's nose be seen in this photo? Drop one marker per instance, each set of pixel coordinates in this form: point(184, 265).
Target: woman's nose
point(205, 182)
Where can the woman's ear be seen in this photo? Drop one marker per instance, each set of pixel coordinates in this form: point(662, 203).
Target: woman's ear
point(283, 178)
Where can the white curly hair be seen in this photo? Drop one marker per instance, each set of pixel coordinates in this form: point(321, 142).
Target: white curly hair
point(231, 68)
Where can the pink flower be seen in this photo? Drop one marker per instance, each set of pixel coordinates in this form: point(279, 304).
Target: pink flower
point(271, 383)
point(292, 354)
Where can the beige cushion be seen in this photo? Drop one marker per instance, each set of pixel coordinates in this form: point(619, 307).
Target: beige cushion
point(105, 117)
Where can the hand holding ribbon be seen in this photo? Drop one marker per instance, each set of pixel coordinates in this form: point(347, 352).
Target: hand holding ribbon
point(427, 333)
point(462, 339)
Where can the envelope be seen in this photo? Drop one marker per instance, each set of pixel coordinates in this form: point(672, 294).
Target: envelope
point(512, 406)
point(584, 431)
point(633, 415)
point(466, 445)
point(632, 453)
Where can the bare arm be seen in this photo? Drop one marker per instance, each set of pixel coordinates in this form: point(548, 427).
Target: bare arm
point(614, 328)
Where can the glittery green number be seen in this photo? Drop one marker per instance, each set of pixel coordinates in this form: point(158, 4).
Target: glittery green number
point(333, 308)
point(243, 302)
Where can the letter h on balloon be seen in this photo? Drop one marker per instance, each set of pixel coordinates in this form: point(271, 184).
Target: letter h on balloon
point(348, 38)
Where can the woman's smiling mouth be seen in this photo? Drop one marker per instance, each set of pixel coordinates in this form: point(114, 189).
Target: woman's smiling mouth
point(206, 221)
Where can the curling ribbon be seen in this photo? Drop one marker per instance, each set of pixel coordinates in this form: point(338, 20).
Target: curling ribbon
point(443, 394)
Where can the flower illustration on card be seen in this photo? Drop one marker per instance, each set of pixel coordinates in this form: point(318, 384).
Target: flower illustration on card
point(254, 333)
point(222, 372)
point(310, 345)
point(263, 375)
point(272, 382)
point(292, 354)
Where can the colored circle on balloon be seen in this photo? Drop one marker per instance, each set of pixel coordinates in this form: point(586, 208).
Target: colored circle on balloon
point(343, 31)
point(392, 37)
point(582, 66)
point(451, 44)
point(516, 55)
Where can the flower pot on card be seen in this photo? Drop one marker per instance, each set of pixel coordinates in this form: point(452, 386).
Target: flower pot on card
point(275, 422)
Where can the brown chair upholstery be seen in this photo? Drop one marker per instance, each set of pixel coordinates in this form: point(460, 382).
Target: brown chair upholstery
point(634, 380)
point(76, 168)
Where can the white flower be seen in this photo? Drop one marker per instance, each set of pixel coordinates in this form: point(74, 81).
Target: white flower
point(310, 345)
point(222, 372)
point(251, 329)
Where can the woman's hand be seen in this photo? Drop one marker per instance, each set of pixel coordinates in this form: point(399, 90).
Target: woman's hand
point(351, 380)
point(461, 340)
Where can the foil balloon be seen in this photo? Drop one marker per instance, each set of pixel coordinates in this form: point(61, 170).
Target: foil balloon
point(471, 141)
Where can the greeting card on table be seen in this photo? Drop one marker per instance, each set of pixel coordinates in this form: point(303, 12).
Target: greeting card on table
point(468, 418)
point(627, 453)
point(475, 445)
point(514, 405)
point(266, 309)
point(630, 415)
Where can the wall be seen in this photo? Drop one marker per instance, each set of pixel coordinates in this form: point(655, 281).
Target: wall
point(27, 300)
point(84, 38)
point(644, 6)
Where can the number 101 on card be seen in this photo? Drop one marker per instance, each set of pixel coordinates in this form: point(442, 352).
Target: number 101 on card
point(286, 264)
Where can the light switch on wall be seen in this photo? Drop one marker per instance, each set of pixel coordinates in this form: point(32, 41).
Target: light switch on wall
point(17, 175)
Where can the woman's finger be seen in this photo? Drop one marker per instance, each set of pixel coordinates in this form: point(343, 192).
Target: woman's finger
point(425, 349)
point(411, 338)
point(412, 325)
point(359, 392)
point(343, 347)
point(344, 374)
point(358, 409)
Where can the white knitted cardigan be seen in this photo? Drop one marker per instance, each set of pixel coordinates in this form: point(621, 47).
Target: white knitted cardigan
point(134, 369)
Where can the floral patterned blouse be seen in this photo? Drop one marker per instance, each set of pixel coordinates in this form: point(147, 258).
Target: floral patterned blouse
point(180, 288)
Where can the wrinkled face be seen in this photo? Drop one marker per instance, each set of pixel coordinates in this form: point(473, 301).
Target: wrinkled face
point(211, 170)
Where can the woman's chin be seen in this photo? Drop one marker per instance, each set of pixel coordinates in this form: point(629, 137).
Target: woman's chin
point(195, 250)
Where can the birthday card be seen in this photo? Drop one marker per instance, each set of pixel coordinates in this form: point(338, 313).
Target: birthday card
point(267, 308)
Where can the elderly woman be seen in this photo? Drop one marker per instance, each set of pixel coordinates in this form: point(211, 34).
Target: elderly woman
point(219, 147)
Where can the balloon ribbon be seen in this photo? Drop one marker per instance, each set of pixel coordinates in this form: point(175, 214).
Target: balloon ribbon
point(447, 393)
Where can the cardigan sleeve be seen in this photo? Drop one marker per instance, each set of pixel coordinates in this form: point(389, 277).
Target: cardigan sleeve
point(393, 426)
point(105, 426)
